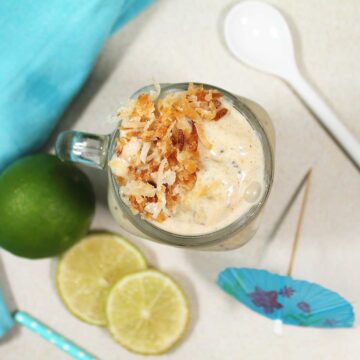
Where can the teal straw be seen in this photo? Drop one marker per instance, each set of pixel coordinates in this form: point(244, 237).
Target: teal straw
point(53, 337)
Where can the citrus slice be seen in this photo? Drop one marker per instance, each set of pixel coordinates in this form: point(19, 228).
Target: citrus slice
point(147, 312)
point(89, 269)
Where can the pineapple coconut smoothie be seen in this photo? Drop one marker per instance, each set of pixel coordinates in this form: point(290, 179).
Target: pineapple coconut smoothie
point(189, 163)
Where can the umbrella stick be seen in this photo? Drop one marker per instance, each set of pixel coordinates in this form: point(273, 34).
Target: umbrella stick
point(299, 224)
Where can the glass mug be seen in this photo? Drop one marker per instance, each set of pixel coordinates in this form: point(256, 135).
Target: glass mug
point(97, 150)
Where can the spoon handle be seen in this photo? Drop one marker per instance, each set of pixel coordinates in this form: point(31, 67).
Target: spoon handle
point(327, 117)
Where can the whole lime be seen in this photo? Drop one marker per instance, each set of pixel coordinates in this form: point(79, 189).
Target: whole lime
point(45, 206)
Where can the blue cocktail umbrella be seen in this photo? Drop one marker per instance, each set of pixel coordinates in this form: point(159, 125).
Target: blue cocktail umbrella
point(278, 297)
point(294, 302)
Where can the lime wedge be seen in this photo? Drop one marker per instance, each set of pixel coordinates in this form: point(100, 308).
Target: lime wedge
point(147, 312)
point(89, 269)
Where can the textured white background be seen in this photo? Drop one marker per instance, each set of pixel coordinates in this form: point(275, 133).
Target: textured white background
point(177, 41)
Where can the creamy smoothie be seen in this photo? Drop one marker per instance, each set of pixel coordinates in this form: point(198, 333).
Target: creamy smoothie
point(189, 163)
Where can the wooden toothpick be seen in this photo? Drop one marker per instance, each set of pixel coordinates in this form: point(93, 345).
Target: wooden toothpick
point(299, 223)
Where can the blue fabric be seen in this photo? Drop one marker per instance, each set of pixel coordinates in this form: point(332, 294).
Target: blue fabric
point(6, 320)
point(47, 49)
point(294, 302)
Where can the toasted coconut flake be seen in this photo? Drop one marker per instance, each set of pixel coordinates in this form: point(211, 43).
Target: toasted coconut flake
point(169, 177)
point(132, 124)
point(120, 180)
point(119, 166)
point(216, 94)
point(161, 217)
point(138, 189)
point(144, 151)
point(181, 139)
point(191, 166)
point(157, 157)
point(131, 150)
point(148, 124)
point(153, 208)
point(160, 173)
point(145, 105)
point(222, 112)
point(184, 124)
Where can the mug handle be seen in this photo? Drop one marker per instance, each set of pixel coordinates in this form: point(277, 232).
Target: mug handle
point(83, 148)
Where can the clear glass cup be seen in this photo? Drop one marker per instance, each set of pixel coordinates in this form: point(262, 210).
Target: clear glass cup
point(97, 150)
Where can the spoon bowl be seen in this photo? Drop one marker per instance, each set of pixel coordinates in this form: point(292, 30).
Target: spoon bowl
point(257, 33)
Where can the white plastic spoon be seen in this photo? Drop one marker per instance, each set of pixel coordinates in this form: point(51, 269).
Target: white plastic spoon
point(258, 35)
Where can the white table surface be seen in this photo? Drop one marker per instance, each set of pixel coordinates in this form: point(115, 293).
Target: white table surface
point(177, 41)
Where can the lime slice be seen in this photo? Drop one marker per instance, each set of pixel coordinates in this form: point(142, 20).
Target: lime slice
point(147, 312)
point(89, 269)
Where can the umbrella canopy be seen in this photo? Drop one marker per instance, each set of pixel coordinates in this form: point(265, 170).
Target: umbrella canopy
point(294, 302)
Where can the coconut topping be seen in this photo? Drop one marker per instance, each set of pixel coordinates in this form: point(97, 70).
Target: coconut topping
point(157, 158)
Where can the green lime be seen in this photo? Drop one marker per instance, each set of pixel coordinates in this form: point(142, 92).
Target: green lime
point(89, 269)
point(147, 311)
point(45, 206)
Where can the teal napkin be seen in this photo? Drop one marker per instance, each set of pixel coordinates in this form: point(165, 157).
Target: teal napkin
point(47, 49)
point(6, 321)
